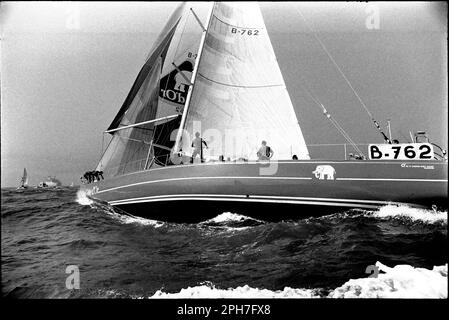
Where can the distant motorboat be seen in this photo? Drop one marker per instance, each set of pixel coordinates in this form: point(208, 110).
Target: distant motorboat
point(24, 180)
point(50, 182)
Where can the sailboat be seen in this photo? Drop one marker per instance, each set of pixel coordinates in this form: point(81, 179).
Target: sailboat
point(214, 72)
point(24, 180)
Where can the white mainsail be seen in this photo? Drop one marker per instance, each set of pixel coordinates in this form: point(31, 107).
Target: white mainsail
point(239, 97)
point(24, 180)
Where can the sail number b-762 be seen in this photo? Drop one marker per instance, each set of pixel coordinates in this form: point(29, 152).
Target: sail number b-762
point(247, 32)
point(404, 151)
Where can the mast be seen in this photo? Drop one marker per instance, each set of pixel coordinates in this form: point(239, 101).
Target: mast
point(194, 73)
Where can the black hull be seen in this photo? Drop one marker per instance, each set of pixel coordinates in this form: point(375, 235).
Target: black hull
point(194, 211)
point(290, 190)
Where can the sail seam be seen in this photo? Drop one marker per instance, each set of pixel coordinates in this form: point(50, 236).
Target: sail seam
point(233, 25)
point(237, 86)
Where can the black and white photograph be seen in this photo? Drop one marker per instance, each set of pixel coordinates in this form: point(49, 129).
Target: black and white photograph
point(217, 151)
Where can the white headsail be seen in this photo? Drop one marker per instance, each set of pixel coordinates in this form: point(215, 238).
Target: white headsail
point(153, 108)
point(239, 92)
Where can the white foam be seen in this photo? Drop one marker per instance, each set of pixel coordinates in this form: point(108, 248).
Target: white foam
point(83, 199)
point(137, 220)
point(208, 291)
point(126, 218)
point(414, 214)
point(229, 217)
point(401, 281)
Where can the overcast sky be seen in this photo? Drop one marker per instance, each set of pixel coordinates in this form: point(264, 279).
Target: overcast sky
point(66, 68)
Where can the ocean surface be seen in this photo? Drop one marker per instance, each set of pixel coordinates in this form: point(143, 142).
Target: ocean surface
point(54, 241)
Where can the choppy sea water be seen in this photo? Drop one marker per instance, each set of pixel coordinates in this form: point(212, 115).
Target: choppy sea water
point(396, 252)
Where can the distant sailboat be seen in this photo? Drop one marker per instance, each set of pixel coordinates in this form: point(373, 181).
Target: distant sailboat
point(24, 180)
point(215, 72)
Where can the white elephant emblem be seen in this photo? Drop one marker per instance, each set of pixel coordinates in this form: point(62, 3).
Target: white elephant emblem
point(324, 172)
point(181, 82)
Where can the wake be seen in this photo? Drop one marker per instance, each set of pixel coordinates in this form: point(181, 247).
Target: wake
point(83, 199)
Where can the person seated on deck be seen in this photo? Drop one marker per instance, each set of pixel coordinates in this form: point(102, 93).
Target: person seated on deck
point(356, 157)
point(265, 152)
point(395, 141)
point(295, 157)
point(197, 145)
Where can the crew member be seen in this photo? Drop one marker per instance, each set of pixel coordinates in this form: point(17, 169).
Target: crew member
point(87, 176)
point(197, 145)
point(265, 152)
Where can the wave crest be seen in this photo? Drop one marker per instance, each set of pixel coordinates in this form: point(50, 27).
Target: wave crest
point(413, 214)
point(209, 291)
point(232, 220)
point(401, 281)
point(82, 197)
